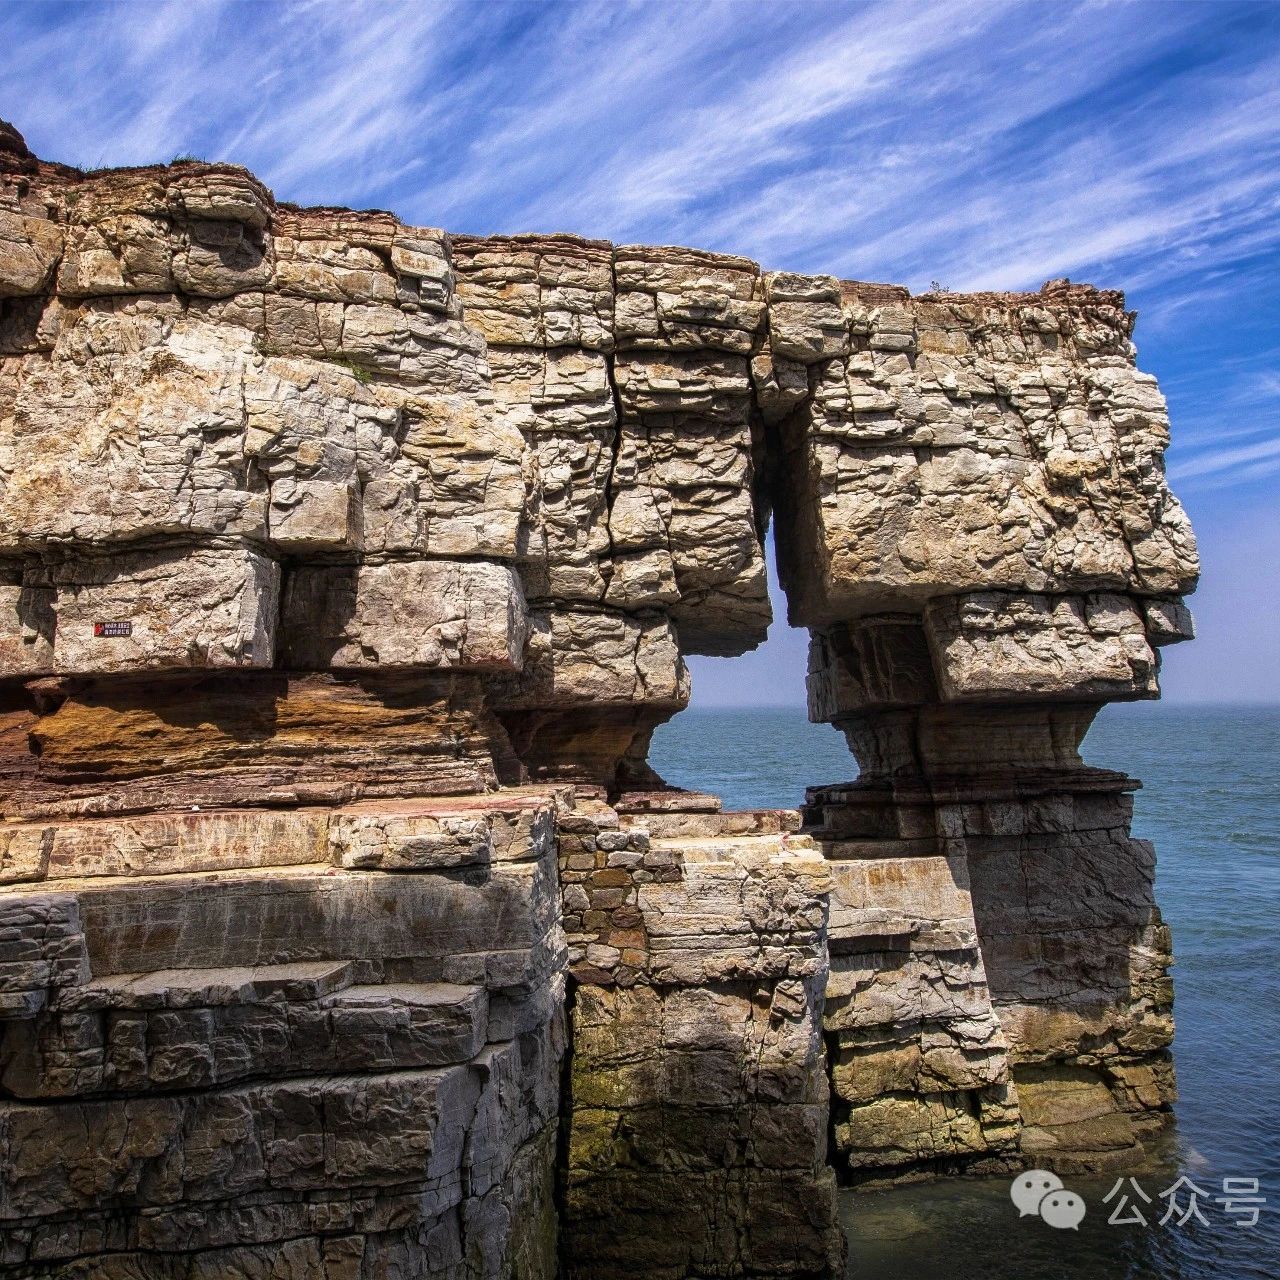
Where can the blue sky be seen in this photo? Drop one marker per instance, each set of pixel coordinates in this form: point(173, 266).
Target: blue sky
point(992, 145)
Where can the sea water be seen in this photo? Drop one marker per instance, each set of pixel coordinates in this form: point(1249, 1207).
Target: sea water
point(1211, 804)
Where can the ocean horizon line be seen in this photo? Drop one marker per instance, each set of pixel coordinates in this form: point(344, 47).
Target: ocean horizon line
point(1163, 703)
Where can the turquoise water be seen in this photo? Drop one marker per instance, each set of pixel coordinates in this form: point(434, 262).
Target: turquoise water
point(1211, 804)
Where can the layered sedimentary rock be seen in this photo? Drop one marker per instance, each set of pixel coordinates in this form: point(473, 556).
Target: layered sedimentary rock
point(328, 1038)
point(983, 548)
point(346, 569)
point(697, 1137)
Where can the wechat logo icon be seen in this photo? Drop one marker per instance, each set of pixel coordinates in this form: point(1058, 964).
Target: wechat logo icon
point(1040, 1192)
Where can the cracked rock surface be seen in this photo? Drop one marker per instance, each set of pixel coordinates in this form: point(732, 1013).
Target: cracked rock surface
point(347, 568)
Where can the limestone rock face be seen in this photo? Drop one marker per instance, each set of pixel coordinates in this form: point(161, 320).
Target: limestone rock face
point(423, 613)
point(957, 443)
point(1047, 646)
point(347, 568)
point(145, 610)
point(974, 524)
point(697, 1141)
point(280, 1088)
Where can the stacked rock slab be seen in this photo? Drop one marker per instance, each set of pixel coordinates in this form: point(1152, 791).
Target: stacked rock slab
point(346, 569)
point(697, 1138)
point(978, 535)
point(325, 1041)
point(320, 536)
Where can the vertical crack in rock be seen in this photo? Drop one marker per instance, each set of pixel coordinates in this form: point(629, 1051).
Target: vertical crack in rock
point(615, 443)
point(346, 569)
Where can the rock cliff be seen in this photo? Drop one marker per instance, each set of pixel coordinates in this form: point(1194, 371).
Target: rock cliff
point(346, 568)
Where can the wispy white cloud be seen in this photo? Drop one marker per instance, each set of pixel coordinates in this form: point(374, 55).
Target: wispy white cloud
point(321, 97)
point(1212, 434)
point(1203, 488)
point(1265, 384)
point(911, 140)
point(1227, 459)
point(984, 144)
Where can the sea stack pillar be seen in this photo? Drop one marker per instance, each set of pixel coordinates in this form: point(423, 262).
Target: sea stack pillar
point(974, 525)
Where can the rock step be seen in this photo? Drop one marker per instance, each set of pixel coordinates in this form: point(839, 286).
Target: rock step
point(220, 1027)
point(735, 848)
point(490, 927)
point(744, 822)
point(420, 834)
point(203, 988)
point(337, 1132)
point(667, 800)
